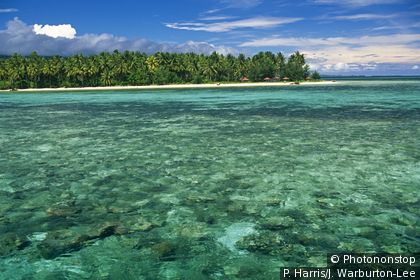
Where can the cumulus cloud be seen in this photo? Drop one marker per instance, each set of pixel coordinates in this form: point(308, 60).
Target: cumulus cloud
point(19, 37)
point(224, 26)
point(55, 31)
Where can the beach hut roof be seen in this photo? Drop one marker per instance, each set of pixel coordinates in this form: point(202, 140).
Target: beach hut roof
point(245, 79)
point(286, 78)
point(266, 79)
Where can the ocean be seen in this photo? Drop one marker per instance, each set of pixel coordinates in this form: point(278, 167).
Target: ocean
point(207, 183)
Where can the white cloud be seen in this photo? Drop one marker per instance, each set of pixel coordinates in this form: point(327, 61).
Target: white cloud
point(55, 31)
point(365, 17)
point(415, 67)
point(10, 10)
point(214, 18)
point(224, 26)
point(290, 41)
point(350, 53)
point(334, 41)
point(384, 27)
point(20, 38)
point(212, 11)
point(343, 67)
point(243, 4)
point(356, 3)
point(331, 59)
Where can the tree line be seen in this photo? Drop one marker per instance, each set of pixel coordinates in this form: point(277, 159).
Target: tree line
point(135, 68)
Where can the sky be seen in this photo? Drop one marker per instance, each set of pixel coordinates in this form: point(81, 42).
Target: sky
point(338, 37)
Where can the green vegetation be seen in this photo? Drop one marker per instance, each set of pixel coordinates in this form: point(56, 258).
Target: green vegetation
point(134, 68)
point(316, 76)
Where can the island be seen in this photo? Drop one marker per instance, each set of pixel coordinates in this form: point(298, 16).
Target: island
point(135, 70)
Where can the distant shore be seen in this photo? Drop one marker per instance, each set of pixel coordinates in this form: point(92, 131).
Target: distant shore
point(175, 86)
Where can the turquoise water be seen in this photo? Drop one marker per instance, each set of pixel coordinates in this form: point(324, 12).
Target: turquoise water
point(206, 184)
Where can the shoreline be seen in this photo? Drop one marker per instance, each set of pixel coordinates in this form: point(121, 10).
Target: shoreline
point(175, 86)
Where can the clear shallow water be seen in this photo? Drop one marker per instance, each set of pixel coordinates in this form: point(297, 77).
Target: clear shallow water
point(206, 184)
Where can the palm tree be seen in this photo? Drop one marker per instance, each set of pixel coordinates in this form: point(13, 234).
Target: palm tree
point(152, 63)
point(34, 68)
point(2, 74)
point(55, 70)
point(106, 77)
point(119, 67)
point(15, 70)
point(296, 67)
point(92, 70)
point(280, 65)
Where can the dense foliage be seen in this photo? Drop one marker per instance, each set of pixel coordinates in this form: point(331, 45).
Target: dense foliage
point(134, 68)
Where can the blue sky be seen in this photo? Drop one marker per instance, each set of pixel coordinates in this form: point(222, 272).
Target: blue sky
point(338, 37)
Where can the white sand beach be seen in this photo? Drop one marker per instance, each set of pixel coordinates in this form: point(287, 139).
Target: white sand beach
point(179, 86)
